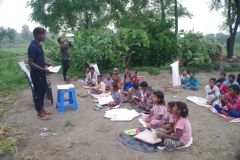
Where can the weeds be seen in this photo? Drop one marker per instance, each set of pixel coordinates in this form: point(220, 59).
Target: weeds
point(67, 126)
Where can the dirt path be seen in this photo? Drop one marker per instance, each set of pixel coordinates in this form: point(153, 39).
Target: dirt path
point(93, 137)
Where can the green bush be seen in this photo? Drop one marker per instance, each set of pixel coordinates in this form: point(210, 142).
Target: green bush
point(217, 66)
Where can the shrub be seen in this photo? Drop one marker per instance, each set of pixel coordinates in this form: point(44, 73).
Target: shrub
point(217, 66)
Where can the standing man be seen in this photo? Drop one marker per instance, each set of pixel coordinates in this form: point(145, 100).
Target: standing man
point(64, 44)
point(38, 72)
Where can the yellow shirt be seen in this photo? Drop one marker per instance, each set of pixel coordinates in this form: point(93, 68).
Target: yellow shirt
point(100, 86)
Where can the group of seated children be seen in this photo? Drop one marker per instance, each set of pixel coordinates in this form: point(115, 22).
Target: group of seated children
point(171, 123)
point(189, 81)
point(224, 95)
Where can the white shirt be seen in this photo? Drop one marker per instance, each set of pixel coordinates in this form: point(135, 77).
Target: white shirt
point(91, 78)
point(215, 88)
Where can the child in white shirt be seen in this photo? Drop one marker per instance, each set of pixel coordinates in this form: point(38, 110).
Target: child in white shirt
point(212, 92)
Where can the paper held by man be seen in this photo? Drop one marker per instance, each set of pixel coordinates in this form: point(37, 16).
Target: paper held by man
point(54, 69)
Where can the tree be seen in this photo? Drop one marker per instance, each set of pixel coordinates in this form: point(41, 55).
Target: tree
point(11, 35)
point(232, 14)
point(26, 34)
point(221, 38)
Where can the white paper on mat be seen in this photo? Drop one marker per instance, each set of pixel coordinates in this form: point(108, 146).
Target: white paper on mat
point(175, 74)
point(142, 122)
point(54, 69)
point(95, 67)
point(121, 114)
point(105, 100)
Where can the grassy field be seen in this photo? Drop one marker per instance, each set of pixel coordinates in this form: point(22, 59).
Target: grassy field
point(236, 50)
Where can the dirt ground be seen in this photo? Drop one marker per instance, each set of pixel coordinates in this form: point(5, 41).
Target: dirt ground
point(93, 137)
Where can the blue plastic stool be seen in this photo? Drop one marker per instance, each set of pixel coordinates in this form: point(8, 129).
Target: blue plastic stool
point(71, 99)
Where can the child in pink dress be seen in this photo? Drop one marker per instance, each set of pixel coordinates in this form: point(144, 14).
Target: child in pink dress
point(158, 113)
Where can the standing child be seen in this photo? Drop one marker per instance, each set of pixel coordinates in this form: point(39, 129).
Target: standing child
point(230, 103)
point(212, 92)
point(108, 81)
point(192, 82)
point(221, 79)
point(127, 74)
point(184, 77)
point(231, 80)
point(133, 93)
point(99, 87)
point(158, 114)
point(127, 86)
point(182, 128)
point(115, 95)
point(147, 102)
point(91, 77)
point(134, 77)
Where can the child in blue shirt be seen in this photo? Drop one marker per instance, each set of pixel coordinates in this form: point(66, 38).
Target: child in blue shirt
point(192, 82)
point(127, 86)
point(222, 79)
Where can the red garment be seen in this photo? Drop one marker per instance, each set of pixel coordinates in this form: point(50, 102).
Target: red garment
point(232, 103)
point(135, 79)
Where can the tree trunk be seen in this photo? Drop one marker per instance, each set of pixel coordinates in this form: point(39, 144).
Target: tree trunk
point(163, 10)
point(230, 46)
point(176, 18)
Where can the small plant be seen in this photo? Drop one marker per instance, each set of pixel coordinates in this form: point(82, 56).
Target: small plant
point(217, 66)
point(67, 126)
point(227, 68)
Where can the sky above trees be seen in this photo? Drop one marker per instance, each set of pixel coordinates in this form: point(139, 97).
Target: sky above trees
point(14, 14)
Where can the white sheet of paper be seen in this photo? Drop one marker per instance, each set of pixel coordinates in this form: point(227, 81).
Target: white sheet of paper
point(67, 86)
point(54, 69)
point(105, 100)
point(175, 74)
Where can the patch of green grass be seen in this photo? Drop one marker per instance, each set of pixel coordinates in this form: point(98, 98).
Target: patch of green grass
point(17, 51)
point(67, 125)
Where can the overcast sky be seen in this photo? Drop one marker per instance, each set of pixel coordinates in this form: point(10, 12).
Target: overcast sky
point(14, 14)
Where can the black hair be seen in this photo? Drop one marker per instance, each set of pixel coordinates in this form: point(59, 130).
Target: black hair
point(110, 73)
point(160, 95)
point(128, 68)
point(128, 77)
point(59, 39)
point(171, 104)
point(135, 85)
point(235, 88)
point(183, 108)
point(223, 73)
point(233, 76)
point(99, 76)
point(150, 88)
point(143, 84)
point(213, 79)
point(38, 30)
point(92, 68)
point(192, 72)
point(134, 71)
point(115, 86)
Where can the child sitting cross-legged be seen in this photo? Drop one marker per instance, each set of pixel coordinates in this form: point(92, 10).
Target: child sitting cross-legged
point(127, 74)
point(158, 113)
point(230, 102)
point(192, 82)
point(184, 77)
point(115, 94)
point(221, 79)
point(231, 80)
point(127, 86)
point(99, 87)
point(91, 77)
point(212, 92)
point(132, 95)
point(182, 132)
point(146, 101)
point(168, 124)
point(108, 81)
point(134, 77)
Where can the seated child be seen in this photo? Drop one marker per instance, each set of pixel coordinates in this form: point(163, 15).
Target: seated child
point(221, 79)
point(182, 132)
point(134, 77)
point(146, 101)
point(133, 93)
point(127, 86)
point(108, 81)
point(127, 74)
point(167, 126)
point(212, 92)
point(231, 80)
point(238, 78)
point(143, 87)
point(230, 102)
point(158, 113)
point(91, 77)
point(115, 94)
point(99, 87)
point(184, 77)
point(192, 82)
point(87, 71)
point(116, 77)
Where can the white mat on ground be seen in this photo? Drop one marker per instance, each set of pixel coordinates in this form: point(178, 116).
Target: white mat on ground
point(197, 100)
point(99, 95)
point(122, 114)
point(105, 100)
point(211, 108)
point(142, 122)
